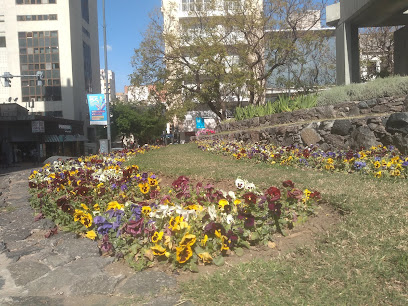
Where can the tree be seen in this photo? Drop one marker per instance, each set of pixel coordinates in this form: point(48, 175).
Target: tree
point(145, 123)
point(377, 48)
point(214, 59)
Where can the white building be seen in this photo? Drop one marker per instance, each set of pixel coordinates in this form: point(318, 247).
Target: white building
point(58, 38)
point(111, 84)
point(139, 94)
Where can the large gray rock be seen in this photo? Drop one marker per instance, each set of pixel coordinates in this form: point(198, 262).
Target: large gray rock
point(310, 136)
point(95, 284)
point(26, 272)
point(397, 123)
point(401, 142)
point(341, 127)
point(363, 137)
point(336, 141)
point(147, 283)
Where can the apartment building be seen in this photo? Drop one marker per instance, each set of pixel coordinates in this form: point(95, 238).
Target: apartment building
point(111, 84)
point(59, 39)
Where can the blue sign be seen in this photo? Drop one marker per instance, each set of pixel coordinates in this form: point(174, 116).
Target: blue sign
point(97, 109)
point(200, 123)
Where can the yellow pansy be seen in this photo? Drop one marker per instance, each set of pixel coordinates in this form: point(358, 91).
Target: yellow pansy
point(205, 257)
point(84, 206)
point(114, 205)
point(204, 240)
point(157, 237)
point(158, 250)
point(91, 235)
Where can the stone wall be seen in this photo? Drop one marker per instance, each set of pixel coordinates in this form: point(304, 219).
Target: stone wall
point(342, 126)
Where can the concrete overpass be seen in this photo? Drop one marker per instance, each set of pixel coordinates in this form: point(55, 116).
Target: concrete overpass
point(350, 15)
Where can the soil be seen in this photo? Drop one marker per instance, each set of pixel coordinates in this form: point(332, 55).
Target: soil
point(303, 235)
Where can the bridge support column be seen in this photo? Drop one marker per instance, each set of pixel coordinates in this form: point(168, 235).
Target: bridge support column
point(347, 54)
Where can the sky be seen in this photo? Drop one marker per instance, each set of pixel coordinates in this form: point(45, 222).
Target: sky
point(126, 20)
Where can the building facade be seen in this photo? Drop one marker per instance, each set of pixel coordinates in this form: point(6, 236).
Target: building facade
point(59, 39)
point(111, 84)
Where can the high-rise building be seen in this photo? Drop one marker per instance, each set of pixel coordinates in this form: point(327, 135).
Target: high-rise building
point(58, 38)
point(111, 84)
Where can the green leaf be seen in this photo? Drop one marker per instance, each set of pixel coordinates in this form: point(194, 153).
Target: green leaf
point(134, 248)
point(198, 249)
point(219, 261)
point(254, 236)
point(239, 251)
point(245, 244)
point(193, 267)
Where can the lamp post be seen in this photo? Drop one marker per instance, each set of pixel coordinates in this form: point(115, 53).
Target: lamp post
point(108, 128)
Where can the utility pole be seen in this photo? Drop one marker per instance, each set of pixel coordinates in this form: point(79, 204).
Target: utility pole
point(108, 128)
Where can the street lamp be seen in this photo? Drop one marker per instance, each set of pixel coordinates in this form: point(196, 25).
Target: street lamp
point(108, 128)
point(7, 76)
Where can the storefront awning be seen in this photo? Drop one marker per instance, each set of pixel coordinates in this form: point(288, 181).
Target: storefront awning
point(51, 138)
point(65, 138)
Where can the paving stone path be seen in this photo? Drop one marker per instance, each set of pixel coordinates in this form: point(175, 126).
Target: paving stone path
point(64, 270)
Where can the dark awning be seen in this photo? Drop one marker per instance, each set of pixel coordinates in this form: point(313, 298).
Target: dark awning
point(65, 138)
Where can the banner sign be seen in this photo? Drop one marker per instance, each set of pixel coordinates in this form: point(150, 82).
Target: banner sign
point(97, 109)
point(200, 123)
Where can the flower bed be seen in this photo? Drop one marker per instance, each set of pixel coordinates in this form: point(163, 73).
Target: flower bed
point(380, 161)
point(187, 224)
point(204, 132)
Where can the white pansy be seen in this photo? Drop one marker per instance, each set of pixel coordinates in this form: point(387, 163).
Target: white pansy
point(230, 219)
point(212, 212)
point(232, 195)
point(250, 186)
point(240, 183)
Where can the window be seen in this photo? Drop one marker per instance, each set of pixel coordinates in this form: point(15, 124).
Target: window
point(85, 10)
point(85, 31)
point(87, 67)
point(37, 17)
point(2, 42)
point(36, 1)
point(35, 57)
point(195, 5)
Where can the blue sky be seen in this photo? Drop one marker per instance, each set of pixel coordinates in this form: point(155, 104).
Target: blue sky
point(126, 20)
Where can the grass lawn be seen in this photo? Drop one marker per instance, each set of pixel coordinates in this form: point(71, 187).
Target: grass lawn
point(362, 260)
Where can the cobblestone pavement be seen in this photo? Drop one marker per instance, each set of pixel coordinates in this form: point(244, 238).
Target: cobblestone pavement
point(64, 270)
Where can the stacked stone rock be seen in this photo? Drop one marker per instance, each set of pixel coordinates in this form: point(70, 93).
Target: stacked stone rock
point(346, 125)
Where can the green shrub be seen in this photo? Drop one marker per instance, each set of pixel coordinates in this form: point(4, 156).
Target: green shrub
point(391, 86)
point(283, 104)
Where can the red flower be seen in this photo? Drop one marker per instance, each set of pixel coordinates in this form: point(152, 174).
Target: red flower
point(106, 246)
point(274, 193)
point(288, 183)
point(295, 194)
point(181, 183)
point(134, 228)
point(250, 198)
point(211, 227)
point(316, 195)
